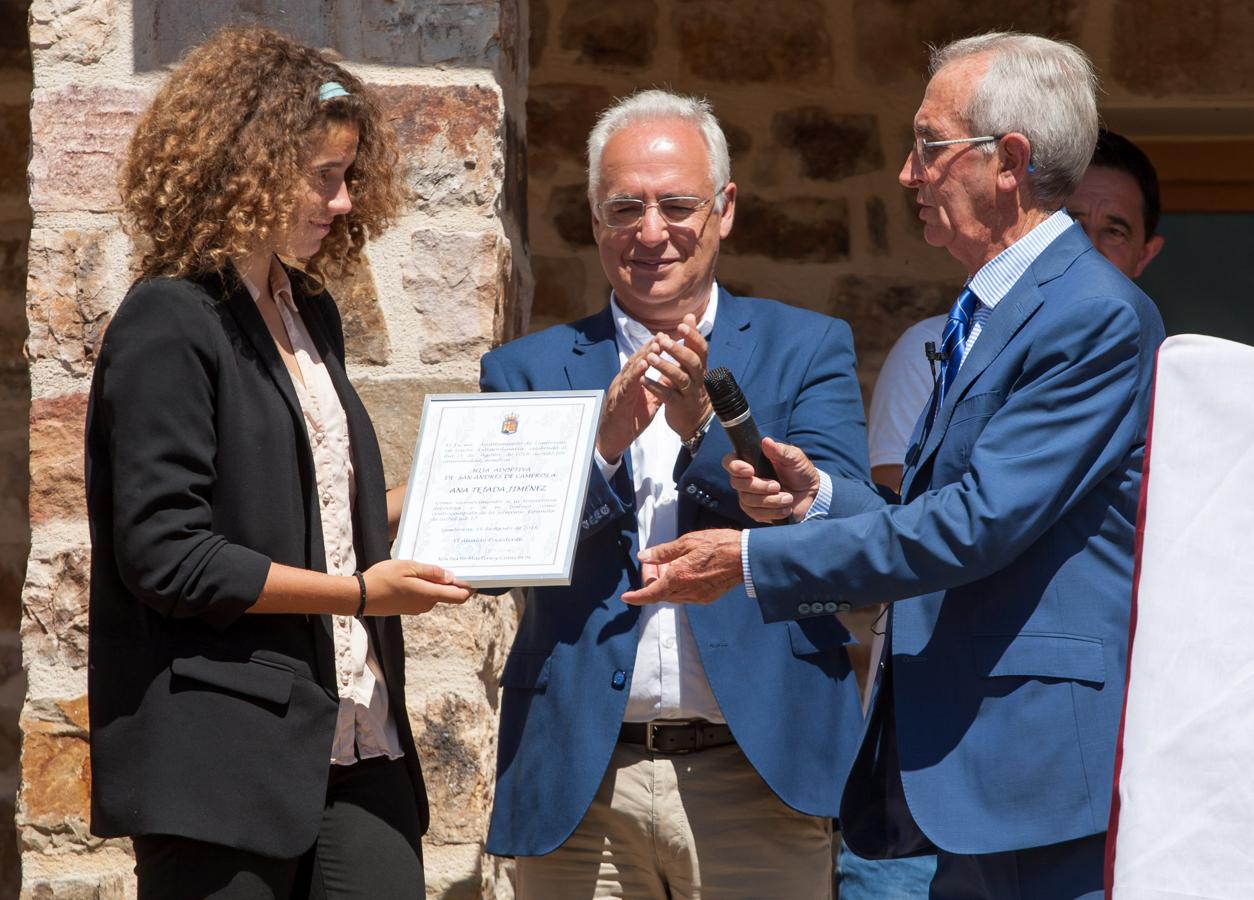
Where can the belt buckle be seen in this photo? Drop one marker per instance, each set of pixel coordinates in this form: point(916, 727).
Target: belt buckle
point(665, 723)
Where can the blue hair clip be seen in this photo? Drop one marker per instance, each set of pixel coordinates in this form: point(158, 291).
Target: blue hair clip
point(330, 91)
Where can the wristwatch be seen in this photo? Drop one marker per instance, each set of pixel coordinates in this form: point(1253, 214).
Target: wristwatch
point(693, 443)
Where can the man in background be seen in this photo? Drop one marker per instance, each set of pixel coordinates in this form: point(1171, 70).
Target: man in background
point(1118, 204)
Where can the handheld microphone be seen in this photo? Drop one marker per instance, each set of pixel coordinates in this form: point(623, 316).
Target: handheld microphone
point(732, 410)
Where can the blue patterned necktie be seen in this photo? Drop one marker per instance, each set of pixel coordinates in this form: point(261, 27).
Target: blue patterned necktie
point(954, 341)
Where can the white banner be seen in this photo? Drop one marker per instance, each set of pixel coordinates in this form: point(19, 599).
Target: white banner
point(1184, 822)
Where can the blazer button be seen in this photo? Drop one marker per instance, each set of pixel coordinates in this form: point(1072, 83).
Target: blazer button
point(803, 608)
point(830, 607)
point(692, 489)
point(619, 679)
point(843, 607)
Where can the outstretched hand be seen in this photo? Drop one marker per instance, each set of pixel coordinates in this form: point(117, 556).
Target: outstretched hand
point(400, 587)
point(699, 567)
point(788, 496)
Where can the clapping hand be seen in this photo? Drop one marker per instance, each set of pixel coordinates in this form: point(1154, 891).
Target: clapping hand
point(682, 386)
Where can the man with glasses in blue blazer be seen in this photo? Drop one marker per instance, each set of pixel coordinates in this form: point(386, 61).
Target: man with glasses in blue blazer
point(671, 752)
point(992, 736)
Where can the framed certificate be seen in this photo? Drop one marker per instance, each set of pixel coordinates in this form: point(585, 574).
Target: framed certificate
point(498, 485)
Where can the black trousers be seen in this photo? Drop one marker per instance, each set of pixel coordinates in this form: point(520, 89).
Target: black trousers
point(1073, 870)
point(369, 846)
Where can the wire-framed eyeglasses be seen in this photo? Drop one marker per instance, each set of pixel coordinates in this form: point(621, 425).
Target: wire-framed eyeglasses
point(628, 212)
point(921, 146)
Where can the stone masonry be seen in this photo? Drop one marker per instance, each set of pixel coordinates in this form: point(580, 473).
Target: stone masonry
point(450, 281)
point(816, 97)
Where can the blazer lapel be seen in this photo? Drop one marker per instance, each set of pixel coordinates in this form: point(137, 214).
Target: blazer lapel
point(594, 355)
point(1005, 321)
point(732, 342)
point(244, 310)
point(732, 345)
point(592, 363)
point(593, 360)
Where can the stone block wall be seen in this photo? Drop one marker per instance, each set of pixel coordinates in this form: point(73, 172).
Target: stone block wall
point(817, 97)
point(449, 281)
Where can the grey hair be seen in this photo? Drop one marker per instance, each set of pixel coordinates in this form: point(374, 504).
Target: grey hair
point(657, 105)
point(1041, 88)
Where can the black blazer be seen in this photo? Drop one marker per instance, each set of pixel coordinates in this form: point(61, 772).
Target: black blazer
point(206, 722)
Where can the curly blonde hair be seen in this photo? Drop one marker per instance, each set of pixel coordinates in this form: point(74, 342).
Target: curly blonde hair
point(215, 167)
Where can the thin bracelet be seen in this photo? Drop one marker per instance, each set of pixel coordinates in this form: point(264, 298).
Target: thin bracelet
point(361, 585)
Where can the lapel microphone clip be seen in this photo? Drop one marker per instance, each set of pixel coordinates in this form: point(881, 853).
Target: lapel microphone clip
point(934, 356)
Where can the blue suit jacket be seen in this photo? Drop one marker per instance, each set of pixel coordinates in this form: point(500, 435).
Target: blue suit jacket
point(785, 689)
point(1014, 545)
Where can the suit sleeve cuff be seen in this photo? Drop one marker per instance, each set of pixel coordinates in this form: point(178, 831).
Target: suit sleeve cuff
point(744, 564)
point(819, 508)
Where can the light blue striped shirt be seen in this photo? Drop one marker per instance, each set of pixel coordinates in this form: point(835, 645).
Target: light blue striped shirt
point(990, 284)
point(997, 276)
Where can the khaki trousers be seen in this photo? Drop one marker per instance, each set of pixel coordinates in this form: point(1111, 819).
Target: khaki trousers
point(701, 825)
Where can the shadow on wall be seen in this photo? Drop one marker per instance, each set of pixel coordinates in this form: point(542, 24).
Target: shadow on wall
point(372, 31)
point(15, 226)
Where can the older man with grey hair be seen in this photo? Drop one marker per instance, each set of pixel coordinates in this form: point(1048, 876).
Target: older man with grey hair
point(668, 753)
point(1008, 564)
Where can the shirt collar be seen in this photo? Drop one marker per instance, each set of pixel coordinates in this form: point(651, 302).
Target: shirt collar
point(280, 284)
point(997, 276)
point(633, 335)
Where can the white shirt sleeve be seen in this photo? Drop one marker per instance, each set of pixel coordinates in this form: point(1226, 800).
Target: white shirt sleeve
point(608, 470)
point(744, 563)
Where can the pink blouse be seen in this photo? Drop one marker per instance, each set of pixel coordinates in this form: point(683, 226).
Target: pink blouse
point(365, 727)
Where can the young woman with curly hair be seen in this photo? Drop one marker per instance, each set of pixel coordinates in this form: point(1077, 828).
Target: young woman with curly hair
point(246, 677)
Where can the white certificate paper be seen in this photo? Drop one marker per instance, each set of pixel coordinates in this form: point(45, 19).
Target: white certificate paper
point(498, 485)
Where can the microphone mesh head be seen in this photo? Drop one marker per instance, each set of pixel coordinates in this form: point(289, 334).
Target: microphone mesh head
point(725, 395)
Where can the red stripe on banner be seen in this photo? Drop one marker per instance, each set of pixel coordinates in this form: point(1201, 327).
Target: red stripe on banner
point(1112, 829)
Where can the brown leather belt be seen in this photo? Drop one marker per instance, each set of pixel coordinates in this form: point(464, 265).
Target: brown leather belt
point(678, 736)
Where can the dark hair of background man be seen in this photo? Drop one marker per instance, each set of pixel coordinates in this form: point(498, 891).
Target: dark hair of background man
point(1114, 151)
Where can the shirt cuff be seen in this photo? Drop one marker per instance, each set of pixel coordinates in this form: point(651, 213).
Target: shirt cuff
point(822, 503)
point(609, 470)
point(744, 564)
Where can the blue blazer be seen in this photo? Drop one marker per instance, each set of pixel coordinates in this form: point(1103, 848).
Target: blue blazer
point(786, 689)
point(1014, 547)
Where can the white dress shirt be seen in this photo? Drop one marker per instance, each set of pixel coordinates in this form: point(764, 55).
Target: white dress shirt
point(668, 681)
point(365, 727)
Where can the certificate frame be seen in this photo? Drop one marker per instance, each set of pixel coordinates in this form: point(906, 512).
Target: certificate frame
point(456, 496)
